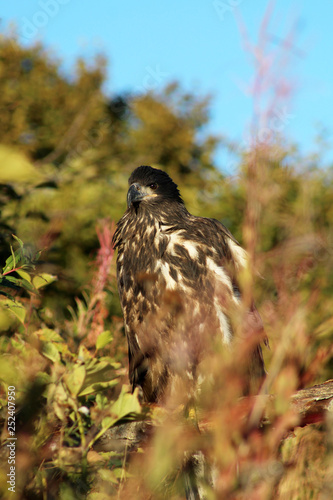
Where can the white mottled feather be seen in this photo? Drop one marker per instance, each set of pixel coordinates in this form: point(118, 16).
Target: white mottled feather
point(219, 273)
point(223, 321)
point(174, 239)
point(239, 254)
point(190, 247)
point(163, 268)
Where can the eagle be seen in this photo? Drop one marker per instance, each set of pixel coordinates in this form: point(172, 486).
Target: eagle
point(178, 282)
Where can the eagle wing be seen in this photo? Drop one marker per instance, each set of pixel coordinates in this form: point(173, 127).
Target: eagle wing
point(253, 326)
point(178, 284)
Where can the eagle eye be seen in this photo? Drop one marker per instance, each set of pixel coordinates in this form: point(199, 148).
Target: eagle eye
point(153, 186)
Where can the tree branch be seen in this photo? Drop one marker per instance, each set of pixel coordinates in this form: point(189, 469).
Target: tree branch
point(310, 405)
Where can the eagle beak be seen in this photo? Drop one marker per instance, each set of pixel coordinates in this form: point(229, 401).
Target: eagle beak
point(135, 193)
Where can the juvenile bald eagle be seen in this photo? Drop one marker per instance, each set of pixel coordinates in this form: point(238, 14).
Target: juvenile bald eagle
point(178, 285)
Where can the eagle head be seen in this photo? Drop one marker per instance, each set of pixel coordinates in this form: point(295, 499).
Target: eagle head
point(151, 185)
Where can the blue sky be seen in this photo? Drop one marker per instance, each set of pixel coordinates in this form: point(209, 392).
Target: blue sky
point(198, 43)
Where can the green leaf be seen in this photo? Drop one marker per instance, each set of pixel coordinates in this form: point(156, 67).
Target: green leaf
point(102, 369)
point(126, 404)
point(43, 279)
point(28, 286)
point(84, 354)
point(13, 256)
point(59, 400)
point(21, 283)
point(10, 263)
point(99, 375)
point(108, 422)
point(17, 309)
point(48, 335)
point(51, 352)
point(101, 401)
point(26, 276)
point(103, 339)
point(75, 379)
point(20, 242)
point(98, 386)
point(12, 279)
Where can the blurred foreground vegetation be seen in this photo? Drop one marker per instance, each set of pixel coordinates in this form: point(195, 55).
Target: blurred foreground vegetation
point(66, 153)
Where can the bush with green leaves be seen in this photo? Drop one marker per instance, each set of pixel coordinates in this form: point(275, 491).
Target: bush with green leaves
point(67, 396)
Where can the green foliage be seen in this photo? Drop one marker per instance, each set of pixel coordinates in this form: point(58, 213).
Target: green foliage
point(35, 95)
point(77, 397)
point(18, 273)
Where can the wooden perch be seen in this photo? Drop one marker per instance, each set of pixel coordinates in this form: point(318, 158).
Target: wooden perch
point(309, 404)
